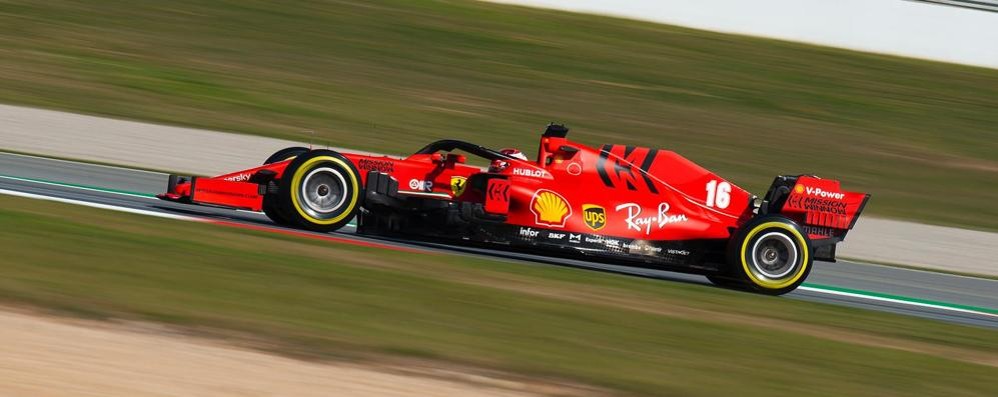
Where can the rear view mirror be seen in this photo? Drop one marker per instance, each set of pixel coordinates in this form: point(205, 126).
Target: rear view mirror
point(456, 158)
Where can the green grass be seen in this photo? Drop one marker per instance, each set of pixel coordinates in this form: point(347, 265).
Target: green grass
point(391, 75)
point(331, 301)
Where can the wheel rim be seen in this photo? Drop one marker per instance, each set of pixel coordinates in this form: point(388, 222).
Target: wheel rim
point(774, 256)
point(323, 192)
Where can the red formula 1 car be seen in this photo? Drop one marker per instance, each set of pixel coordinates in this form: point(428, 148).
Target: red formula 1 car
point(619, 204)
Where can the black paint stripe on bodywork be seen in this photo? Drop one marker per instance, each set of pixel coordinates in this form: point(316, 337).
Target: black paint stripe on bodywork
point(645, 166)
point(627, 151)
point(604, 152)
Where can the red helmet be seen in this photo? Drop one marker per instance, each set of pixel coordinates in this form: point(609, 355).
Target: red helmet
point(499, 165)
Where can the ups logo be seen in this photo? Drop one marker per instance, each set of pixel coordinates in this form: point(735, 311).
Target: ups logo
point(594, 216)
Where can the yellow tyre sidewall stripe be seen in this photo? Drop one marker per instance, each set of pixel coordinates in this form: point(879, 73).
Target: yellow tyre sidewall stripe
point(300, 173)
point(767, 283)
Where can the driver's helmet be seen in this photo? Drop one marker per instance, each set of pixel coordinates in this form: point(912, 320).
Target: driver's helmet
point(499, 165)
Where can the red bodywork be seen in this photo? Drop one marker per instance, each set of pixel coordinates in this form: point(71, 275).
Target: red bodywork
point(615, 191)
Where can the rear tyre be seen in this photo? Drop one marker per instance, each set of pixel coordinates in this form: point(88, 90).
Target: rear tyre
point(770, 255)
point(319, 191)
point(725, 281)
point(270, 200)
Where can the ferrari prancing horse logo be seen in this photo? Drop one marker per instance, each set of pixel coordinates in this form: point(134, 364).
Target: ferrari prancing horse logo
point(594, 216)
point(457, 185)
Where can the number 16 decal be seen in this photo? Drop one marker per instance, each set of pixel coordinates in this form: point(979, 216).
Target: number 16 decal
point(718, 194)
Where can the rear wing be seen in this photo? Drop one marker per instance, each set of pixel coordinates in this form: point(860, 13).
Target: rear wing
point(820, 206)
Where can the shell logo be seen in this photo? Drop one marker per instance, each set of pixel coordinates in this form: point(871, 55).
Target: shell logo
point(550, 208)
point(799, 189)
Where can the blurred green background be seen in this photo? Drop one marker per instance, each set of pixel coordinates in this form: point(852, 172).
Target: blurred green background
point(391, 75)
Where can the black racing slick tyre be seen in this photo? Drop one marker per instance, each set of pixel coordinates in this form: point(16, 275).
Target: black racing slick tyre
point(270, 200)
point(286, 154)
point(770, 255)
point(725, 281)
point(319, 191)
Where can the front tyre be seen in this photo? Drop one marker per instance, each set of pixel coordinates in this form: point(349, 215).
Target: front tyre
point(286, 154)
point(770, 255)
point(271, 200)
point(319, 191)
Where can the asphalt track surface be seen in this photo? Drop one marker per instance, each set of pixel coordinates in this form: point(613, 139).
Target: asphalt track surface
point(959, 299)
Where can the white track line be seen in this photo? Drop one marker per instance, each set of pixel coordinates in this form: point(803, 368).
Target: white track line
point(897, 301)
point(81, 162)
point(99, 190)
point(93, 189)
point(19, 179)
point(96, 205)
point(915, 268)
